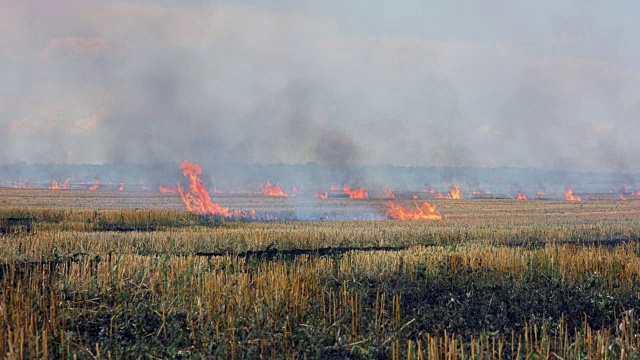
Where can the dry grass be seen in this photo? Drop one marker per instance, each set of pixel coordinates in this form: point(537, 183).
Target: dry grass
point(496, 279)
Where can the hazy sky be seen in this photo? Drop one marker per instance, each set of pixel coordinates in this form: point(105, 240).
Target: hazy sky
point(491, 83)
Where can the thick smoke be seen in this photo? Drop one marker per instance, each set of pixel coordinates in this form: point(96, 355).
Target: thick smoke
point(118, 82)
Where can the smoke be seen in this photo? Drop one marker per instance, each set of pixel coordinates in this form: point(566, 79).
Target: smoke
point(118, 82)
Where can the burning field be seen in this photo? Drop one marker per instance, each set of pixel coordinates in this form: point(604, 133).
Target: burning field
point(116, 269)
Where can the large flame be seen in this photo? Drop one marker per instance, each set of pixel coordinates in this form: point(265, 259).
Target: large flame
point(421, 212)
point(570, 197)
point(165, 190)
point(197, 199)
point(454, 193)
point(95, 186)
point(270, 189)
point(355, 194)
point(521, 196)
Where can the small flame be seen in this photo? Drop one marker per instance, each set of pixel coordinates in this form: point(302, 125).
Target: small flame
point(355, 194)
point(54, 185)
point(521, 196)
point(22, 184)
point(121, 188)
point(388, 194)
point(622, 197)
point(166, 190)
point(421, 212)
point(454, 193)
point(321, 195)
point(570, 197)
point(95, 186)
point(269, 189)
point(197, 199)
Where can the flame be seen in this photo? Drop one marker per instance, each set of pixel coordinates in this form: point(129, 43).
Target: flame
point(622, 197)
point(453, 194)
point(65, 184)
point(197, 199)
point(95, 186)
point(54, 185)
point(476, 192)
point(521, 196)
point(355, 194)
point(22, 184)
point(165, 190)
point(269, 189)
point(570, 197)
point(422, 212)
point(388, 194)
point(121, 188)
point(321, 195)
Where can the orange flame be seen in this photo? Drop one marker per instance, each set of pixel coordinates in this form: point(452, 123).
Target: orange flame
point(521, 196)
point(422, 212)
point(453, 194)
point(269, 189)
point(570, 197)
point(166, 190)
point(65, 184)
point(95, 186)
point(121, 188)
point(355, 194)
point(321, 195)
point(22, 184)
point(54, 185)
point(197, 199)
point(622, 197)
point(388, 194)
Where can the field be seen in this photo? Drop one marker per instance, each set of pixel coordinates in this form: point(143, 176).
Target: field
point(107, 274)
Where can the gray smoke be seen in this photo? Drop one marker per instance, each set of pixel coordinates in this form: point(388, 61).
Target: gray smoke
point(119, 82)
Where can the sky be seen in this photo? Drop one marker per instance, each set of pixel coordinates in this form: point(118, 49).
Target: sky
point(415, 83)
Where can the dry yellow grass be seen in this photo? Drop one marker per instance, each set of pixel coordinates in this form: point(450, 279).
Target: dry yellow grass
point(75, 287)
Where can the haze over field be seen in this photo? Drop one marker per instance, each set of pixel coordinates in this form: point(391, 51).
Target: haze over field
point(413, 83)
